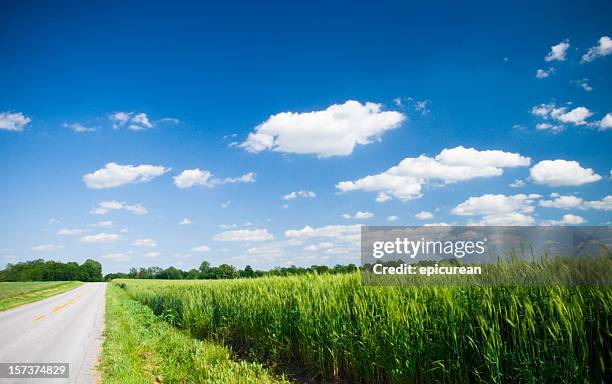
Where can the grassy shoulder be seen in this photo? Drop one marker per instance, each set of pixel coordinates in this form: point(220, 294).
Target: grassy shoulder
point(13, 294)
point(139, 347)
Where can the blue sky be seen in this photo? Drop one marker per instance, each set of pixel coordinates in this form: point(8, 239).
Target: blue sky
point(276, 98)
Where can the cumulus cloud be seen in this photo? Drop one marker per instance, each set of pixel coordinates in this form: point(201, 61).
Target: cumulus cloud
point(133, 121)
point(604, 204)
point(152, 254)
point(185, 221)
point(392, 218)
point(150, 243)
point(498, 209)
point(358, 216)
point(71, 231)
point(334, 131)
point(568, 219)
point(584, 84)
point(13, 121)
point(105, 206)
point(517, 183)
point(606, 122)
point(341, 233)
point(562, 202)
point(490, 204)
point(101, 238)
point(576, 116)
point(78, 128)
point(296, 194)
point(114, 175)
point(549, 127)
point(405, 180)
point(542, 73)
point(558, 51)
point(604, 48)
point(201, 248)
point(192, 177)
point(424, 215)
point(46, 248)
point(244, 235)
point(562, 173)
point(575, 202)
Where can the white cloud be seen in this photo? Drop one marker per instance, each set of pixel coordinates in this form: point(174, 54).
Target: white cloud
point(358, 216)
point(296, 194)
point(191, 177)
point(568, 219)
point(392, 218)
point(46, 248)
point(576, 116)
point(136, 209)
point(246, 178)
point(13, 121)
point(604, 204)
point(604, 48)
point(562, 202)
point(562, 173)
point(201, 248)
point(498, 209)
point(405, 180)
point(542, 74)
point(105, 206)
point(517, 183)
point(509, 219)
point(606, 122)
point(424, 215)
point(558, 51)
point(549, 127)
point(71, 231)
point(133, 121)
point(145, 243)
point(115, 175)
point(101, 238)
point(334, 131)
point(116, 256)
point(584, 84)
point(152, 254)
point(382, 197)
point(490, 204)
point(106, 223)
point(78, 128)
point(342, 233)
point(244, 235)
point(185, 221)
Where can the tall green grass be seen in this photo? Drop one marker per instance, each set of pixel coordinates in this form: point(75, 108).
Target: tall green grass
point(342, 331)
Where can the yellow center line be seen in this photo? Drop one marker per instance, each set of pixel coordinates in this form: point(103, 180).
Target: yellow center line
point(60, 307)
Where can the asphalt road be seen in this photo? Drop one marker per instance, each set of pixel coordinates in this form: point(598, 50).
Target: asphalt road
point(66, 328)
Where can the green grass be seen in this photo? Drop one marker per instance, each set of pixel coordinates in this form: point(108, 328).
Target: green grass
point(139, 347)
point(18, 293)
point(338, 329)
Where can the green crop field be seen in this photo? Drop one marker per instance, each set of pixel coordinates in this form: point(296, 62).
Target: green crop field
point(331, 328)
point(13, 294)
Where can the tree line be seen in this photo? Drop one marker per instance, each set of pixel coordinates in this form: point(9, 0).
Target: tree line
point(91, 270)
point(41, 270)
point(224, 271)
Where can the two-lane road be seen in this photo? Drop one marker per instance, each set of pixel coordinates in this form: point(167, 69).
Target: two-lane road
point(66, 328)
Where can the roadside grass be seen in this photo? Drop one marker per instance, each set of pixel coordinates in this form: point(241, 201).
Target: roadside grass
point(13, 294)
point(140, 347)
